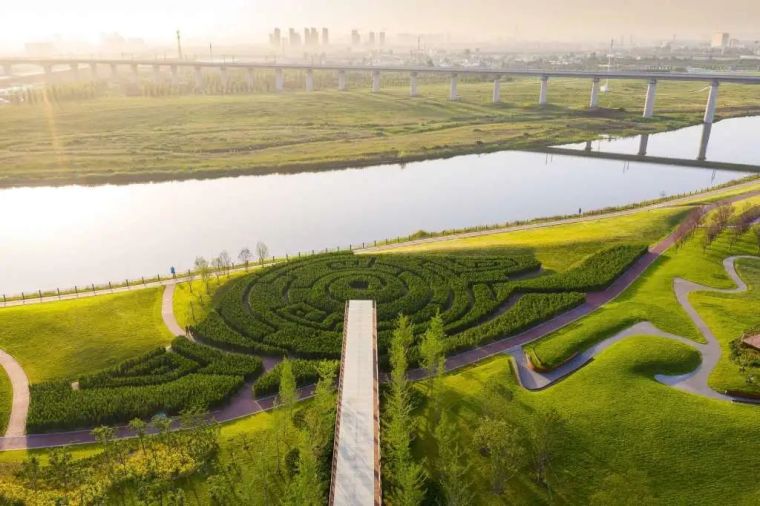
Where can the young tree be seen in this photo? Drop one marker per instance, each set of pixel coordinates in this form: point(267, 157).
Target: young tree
point(405, 475)
point(203, 270)
point(262, 251)
point(225, 262)
point(138, 427)
point(431, 351)
point(452, 465)
point(245, 256)
point(501, 445)
point(543, 437)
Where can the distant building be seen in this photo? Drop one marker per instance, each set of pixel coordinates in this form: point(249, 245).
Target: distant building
point(355, 38)
point(276, 38)
point(382, 38)
point(313, 37)
point(371, 40)
point(293, 38)
point(325, 37)
point(720, 40)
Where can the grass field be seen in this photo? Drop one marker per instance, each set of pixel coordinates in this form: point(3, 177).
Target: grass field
point(192, 300)
point(6, 397)
point(650, 298)
point(116, 138)
point(558, 247)
point(68, 338)
point(617, 418)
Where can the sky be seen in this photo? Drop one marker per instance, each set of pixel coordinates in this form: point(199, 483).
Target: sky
point(248, 21)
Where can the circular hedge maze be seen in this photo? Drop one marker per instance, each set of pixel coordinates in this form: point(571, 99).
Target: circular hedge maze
point(297, 307)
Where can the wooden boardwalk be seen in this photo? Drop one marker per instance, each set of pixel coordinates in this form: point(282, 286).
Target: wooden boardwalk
point(356, 456)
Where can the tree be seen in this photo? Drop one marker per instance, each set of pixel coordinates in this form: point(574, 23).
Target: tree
point(501, 445)
point(225, 261)
point(431, 350)
point(452, 464)
point(138, 427)
point(262, 251)
point(30, 470)
point(245, 256)
point(544, 435)
point(202, 268)
point(627, 489)
point(60, 462)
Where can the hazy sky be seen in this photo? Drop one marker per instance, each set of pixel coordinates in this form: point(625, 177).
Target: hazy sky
point(250, 20)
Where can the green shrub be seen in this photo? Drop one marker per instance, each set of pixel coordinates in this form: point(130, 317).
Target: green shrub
point(305, 371)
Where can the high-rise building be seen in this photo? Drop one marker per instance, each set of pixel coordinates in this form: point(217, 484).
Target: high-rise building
point(275, 39)
point(371, 40)
point(355, 38)
point(293, 38)
point(382, 38)
point(325, 37)
point(313, 37)
point(720, 40)
point(306, 37)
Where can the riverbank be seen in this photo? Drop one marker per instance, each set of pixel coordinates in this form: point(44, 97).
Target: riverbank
point(118, 140)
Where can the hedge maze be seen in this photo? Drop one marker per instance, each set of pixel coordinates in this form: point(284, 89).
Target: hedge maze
point(296, 309)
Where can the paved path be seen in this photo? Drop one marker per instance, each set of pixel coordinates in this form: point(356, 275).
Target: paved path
point(695, 382)
point(242, 404)
point(167, 312)
point(20, 403)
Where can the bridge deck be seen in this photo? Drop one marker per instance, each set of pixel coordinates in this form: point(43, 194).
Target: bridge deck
point(356, 459)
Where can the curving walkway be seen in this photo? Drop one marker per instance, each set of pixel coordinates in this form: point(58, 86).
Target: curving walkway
point(695, 382)
point(167, 312)
point(243, 404)
point(20, 403)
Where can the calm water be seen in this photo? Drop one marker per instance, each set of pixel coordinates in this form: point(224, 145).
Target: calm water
point(59, 237)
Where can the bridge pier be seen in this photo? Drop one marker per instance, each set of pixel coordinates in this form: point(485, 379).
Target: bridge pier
point(279, 80)
point(198, 79)
point(93, 71)
point(175, 79)
point(594, 102)
point(651, 94)
point(413, 84)
point(135, 73)
point(309, 80)
point(496, 96)
point(157, 74)
point(114, 71)
point(543, 95)
point(225, 78)
point(643, 143)
point(712, 102)
point(453, 87)
point(342, 83)
point(74, 68)
point(703, 141)
point(249, 79)
point(375, 81)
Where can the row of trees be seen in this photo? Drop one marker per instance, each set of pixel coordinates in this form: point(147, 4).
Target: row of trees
point(223, 263)
point(726, 217)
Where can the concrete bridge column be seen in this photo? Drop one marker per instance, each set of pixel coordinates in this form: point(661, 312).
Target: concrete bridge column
point(594, 102)
point(93, 70)
point(157, 73)
point(342, 83)
point(135, 73)
point(496, 97)
point(198, 79)
point(375, 81)
point(249, 80)
point(703, 141)
point(224, 77)
point(74, 70)
point(309, 80)
point(543, 95)
point(453, 87)
point(651, 94)
point(413, 84)
point(279, 80)
point(114, 71)
point(175, 79)
point(712, 102)
point(643, 143)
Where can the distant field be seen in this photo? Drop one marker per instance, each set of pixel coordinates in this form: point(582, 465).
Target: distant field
point(117, 138)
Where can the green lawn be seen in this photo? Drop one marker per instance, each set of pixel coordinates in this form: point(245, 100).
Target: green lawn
point(192, 299)
point(6, 398)
point(114, 138)
point(692, 450)
point(729, 316)
point(651, 298)
point(558, 247)
point(68, 338)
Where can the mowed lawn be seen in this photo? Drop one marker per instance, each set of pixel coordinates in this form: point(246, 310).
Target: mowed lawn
point(115, 137)
point(651, 298)
point(68, 338)
point(558, 247)
point(617, 418)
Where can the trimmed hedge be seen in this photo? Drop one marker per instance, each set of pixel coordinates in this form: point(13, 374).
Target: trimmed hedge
point(305, 372)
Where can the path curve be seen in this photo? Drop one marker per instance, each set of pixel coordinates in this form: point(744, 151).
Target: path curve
point(695, 382)
point(167, 312)
point(20, 403)
point(243, 405)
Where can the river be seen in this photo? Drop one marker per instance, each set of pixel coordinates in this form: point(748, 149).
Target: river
point(61, 236)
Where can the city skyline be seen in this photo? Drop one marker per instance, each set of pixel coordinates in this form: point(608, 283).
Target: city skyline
point(236, 21)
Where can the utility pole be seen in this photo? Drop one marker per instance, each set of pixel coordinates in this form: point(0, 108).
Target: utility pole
point(179, 46)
